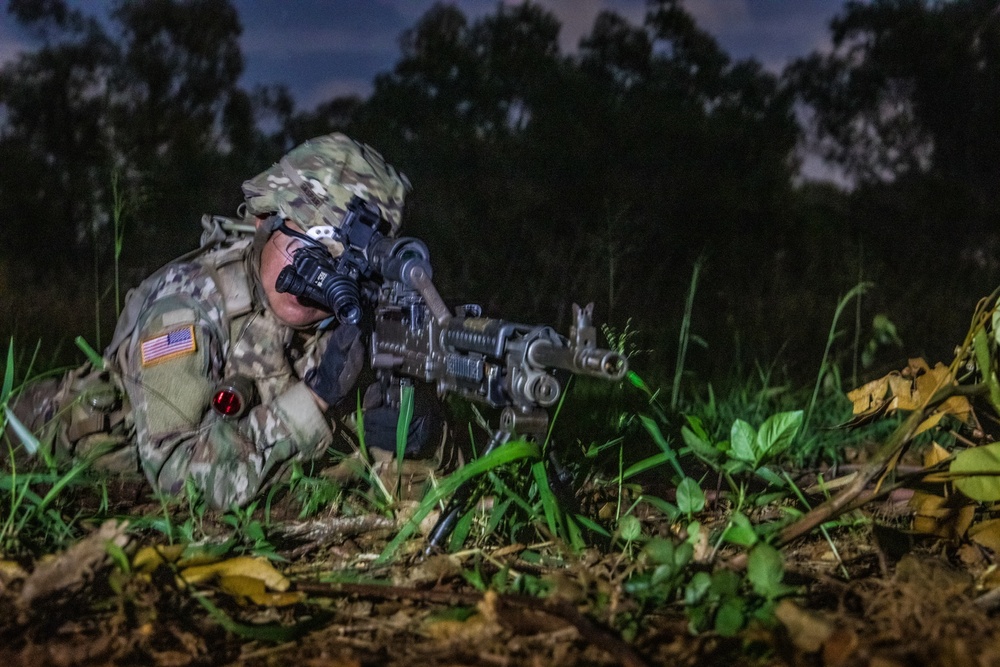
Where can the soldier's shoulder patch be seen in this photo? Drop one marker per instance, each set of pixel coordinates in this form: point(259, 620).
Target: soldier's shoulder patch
point(174, 343)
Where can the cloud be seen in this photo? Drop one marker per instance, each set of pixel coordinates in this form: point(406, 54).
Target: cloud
point(324, 91)
point(773, 33)
point(279, 28)
point(11, 45)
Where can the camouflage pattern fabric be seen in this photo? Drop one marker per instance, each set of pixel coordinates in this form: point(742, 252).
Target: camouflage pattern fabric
point(170, 385)
point(313, 184)
point(203, 319)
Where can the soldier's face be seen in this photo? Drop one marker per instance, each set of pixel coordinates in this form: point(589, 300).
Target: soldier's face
point(276, 255)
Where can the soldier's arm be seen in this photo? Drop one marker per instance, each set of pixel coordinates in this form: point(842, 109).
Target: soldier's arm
point(173, 361)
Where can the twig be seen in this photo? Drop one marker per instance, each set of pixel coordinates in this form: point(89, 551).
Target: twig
point(857, 493)
point(319, 530)
point(599, 636)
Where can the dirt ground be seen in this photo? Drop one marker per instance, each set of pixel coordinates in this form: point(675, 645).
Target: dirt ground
point(891, 601)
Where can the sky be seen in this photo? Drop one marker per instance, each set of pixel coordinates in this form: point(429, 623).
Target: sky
point(321, 49)
point(325, 48)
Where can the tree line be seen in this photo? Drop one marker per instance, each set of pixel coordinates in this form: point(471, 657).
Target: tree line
point(541, 177)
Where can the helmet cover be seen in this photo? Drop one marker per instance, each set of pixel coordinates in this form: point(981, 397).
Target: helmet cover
point(315, 181)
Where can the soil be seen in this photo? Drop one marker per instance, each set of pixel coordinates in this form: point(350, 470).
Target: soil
point(890, 600)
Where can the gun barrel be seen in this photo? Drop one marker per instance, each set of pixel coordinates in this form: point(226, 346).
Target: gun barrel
point(593, 361)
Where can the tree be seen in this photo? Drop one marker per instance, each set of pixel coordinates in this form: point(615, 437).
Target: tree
point(605, 171)
point(53, 103)
point(912, 87)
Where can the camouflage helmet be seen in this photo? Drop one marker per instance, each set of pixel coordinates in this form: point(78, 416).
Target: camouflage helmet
point(314, 182)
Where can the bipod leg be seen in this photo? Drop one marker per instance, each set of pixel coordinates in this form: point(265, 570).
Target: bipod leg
point(460, 500)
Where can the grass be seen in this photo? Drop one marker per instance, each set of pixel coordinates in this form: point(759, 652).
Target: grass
point(554, 492)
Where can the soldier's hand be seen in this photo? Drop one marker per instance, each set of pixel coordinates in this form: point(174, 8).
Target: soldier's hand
point(338, 370)
point(381, 421)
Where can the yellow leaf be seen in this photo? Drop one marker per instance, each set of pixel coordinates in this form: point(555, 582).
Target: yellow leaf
point(947, 518)
point(958, 407)
point(905, 392)
point(242, 566)
point(987, 534)
point(149, 558)
point(249, 588)
point(935, 455)
point(238, 585)
point(871, 396)
point(929, 423)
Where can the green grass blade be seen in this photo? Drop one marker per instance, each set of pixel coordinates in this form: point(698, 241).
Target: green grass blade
point(654, 431)
point(269, 633)
point(96, 360)
point(592, 525)
point(27, 438)
point(403, 422)
point(502, 455)
point(8, 374)
point(645, 464)
point(549, 503)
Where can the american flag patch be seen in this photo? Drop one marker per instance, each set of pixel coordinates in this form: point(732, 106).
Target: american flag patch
point(167, 346)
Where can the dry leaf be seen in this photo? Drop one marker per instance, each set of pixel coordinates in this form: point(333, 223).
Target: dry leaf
point(870, 396)
point(807, 630)
point(250, 588)
point(75, 566)
point(987, 534)
point(839, 647)
point(947, 518)
point(243, 566)
point(149, 558)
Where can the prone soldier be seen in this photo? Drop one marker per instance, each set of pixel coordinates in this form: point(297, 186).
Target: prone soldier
point(213, 374)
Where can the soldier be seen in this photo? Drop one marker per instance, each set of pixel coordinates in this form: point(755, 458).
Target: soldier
point(215, 375)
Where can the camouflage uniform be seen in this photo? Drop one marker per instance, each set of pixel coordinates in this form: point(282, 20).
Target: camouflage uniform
point(204, 319)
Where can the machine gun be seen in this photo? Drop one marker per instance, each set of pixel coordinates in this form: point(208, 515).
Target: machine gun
point(514, 367)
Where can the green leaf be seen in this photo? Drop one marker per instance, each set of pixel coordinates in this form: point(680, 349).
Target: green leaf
point(683, 554)
point(777, 433)
point(690, 497)
point(660, 550)
point(981, 346)
point(770, 476)
point(730, 618)
point(638, 382)
point(740, 531)
point(697, 588)
point(724, 583)
point(980, 467)
point(662, 574)
point(629, 528)
point(461, 532)
point(667, 508)
point(741, 442)
point(765, 570)
point(701, 447)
